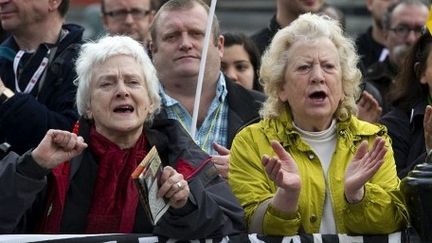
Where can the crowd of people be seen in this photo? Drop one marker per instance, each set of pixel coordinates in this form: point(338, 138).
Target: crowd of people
point(300, 129)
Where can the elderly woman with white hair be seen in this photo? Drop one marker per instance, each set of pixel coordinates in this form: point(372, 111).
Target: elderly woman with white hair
point(315, 167)
point(118, 101)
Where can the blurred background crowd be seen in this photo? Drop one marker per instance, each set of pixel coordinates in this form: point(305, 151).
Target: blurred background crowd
point(245, 16)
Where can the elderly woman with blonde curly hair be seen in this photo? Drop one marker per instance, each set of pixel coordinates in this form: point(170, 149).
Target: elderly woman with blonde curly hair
point(310, 165)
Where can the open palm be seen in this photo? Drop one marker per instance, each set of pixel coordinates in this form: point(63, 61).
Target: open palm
point(282, 169)
point(364, 165)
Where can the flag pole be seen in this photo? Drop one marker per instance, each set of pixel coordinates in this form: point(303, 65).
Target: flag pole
point(202, 67)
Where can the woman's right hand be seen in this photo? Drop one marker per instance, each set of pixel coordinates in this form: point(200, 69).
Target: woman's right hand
point(57, 147)
point(283, 170)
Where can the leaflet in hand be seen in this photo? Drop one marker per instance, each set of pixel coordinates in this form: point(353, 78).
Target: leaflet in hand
point(146, 177)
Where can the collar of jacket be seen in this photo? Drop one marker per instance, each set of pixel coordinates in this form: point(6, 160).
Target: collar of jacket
point(9, 47)
point(243, 108)
point(352, 129)
point(417, 114)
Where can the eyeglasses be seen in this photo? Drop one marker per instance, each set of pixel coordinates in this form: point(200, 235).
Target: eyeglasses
point(403, 31)
point(122, 14)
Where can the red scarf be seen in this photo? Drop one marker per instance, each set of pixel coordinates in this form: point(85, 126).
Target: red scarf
point(115, 197)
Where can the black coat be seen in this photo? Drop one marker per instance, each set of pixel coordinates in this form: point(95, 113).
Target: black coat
point(405, 128)
point(243, 107)
point(25, 118)
point(263, 37)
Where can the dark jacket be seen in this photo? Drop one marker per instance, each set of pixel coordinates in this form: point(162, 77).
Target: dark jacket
point(368, 49)
point(243, 107)
point(212, 211)
point(381, 75)
point(405, 128)
point(263, 37)
point(25, 118)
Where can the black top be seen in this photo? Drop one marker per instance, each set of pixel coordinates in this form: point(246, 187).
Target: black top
point(368, 49)
point(263, 37)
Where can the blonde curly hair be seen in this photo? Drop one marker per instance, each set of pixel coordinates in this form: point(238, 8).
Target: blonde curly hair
point(308, 27)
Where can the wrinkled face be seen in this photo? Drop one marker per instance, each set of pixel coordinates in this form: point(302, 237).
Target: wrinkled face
point(411, 17)
point(313, 83)
point(119, 100)
point(18, 14)
point(178, 45)
point(135, 24)
point(426, 76)
point(237, 66)
point(302, 6)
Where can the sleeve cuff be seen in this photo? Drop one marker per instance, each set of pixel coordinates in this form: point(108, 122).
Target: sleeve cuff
point(277, 213)
point(28, 167)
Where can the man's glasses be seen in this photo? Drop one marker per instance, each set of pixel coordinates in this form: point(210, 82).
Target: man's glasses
point(122, 14)
point(403, 31)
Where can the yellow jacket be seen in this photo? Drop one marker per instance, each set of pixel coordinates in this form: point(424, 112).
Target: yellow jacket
point(381, 211)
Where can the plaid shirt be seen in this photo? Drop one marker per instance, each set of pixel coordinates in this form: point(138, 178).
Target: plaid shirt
point(215, 125)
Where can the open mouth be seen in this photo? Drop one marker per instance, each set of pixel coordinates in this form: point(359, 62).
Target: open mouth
point(124, 109)
point(318, 95)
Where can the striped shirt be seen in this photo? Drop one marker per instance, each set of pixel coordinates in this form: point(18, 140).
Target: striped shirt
point(215, 125)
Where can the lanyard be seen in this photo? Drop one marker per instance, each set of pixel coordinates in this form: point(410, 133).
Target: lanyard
point(35, 76)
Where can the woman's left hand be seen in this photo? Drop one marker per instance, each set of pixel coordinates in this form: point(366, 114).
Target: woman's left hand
point(173, 187)
point(363, 166)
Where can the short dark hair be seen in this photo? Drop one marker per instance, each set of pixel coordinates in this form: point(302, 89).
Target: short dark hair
point(251, 49)
point(63, 7)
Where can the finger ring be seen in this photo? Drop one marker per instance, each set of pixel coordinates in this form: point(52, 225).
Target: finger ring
point(179, 185)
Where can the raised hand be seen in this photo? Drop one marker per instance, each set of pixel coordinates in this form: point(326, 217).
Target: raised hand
point(57, 147)
point(368, 108)
point(173, 187)
point(427, 127)
point(363, 166)
point(221, 161)
point(282, 169)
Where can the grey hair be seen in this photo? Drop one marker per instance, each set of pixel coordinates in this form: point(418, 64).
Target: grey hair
point(94, 53)
point(309, 27)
